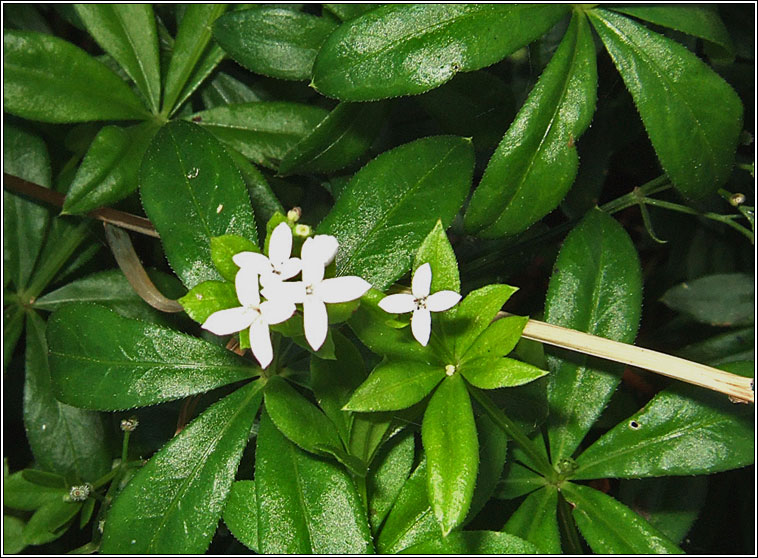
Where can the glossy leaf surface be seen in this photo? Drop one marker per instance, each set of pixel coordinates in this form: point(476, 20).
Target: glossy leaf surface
point(185, 484)
point(694, 138)
point(438, 253)
point(405, 49)
point(127, 32)
point(536, 162)
point(241, 513)
point(273, 41)
point(536, 520)
point(209, 297)
point(493, 373)
point(395, 385)
point(467, 543)
point(452, 452)
point(393, 202)
point(596, 287)
point(499, 339)
point(609, 527)
point(51, 80)
point(305, 504)
point(192, 192)
point(223, 250)
point(264, 131)
point(100, 360)
point(387, 477)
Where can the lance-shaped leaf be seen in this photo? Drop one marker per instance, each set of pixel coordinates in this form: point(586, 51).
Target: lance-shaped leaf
point(109, 171)
point(395, 385)
point(127, 32)
point(438, 253)
point(192, 58)
point(63, 439)
point(387, 477)
point(684, 430)
point(50, 521)
point(263, 131)
point(100, 360)
point(393, 202)
point(404, 49)
point(347, 12)
point(50, 80)
point(723, 299)
point(174, 502)
point(241, 514)
point(609, 527)
point(536, 520)
point(452, 452)
point(191, 192)
point(692, 116)
point(536, 162)
point(337, 141)
point(273, 41)
point(468, 543)
point(306, 505)
point(596, 287)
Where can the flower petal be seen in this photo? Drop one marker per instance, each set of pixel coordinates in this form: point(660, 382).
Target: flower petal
point(252, 260)
point(313, 270)
point(260, 343)
point(230, 320)
point(315, 322)
point(397, 303)
point(277, 291)
point(442, 300)
point(289, 268)
point(422, 281)
point(321, 248)
point(342, 289)
point(280, 244)
point(246, 284)
point(421, 325)
point(277, 311)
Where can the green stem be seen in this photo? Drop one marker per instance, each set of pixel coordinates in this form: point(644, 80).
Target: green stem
point(725, 219)
point(656, 185)
point(125, 447)
point(568, 528)
point(539, 460)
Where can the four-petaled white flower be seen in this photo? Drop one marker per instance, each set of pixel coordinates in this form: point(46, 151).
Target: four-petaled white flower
point(421, 303)
point(314, 292)
point(253, 314)
point(279, 266)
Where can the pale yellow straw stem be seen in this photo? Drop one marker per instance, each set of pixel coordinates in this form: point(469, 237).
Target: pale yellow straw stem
point(733, 385)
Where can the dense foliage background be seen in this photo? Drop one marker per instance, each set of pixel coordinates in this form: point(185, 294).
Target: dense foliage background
point(378, 122)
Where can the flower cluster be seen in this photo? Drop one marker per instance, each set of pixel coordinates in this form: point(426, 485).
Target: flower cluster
point(272, 273)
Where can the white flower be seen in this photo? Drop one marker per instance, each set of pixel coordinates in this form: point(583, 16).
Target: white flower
point(278, 266)
point(421, 303)
point(252, 314)
point(314, 292)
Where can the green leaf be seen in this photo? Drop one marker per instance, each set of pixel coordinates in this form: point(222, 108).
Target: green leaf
point(63, 439)
point(493, 448)
point(109, 171)
point(224, 248)
point(50, 521)
point(536, 520)
point(338, 140)
point(263, 131)
point(241, 514)
point(466, 322)
point(468, 543)
point(596, 287)
point(333, 381)
point(498, 339)
point(306, 505)
point(100, 360)
point(493, 373)
point(209, 297)
point(395, 385)
point(701, 21)
point(734, 345)
point(191, 192)
point(393, 202)
point(273, 41)
point(298, 419)
point(24, 222)
point(724, 299)
point(193, 58)
point(185, 484)
point(694, 137)
point(387, 477)
point(536, 162)
point(51, 80)
point(452, 452)
point(670, 504)
point(438, 253)
point(13, 538)
point(405, 49)
point(44, 478)
point(518, 480)
point(684, 430)
point(347, 12)
point(224, 89)
point(265, 203)
point(411, 519)
point(127, 32)
point(609, 527)
point(21, 494)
